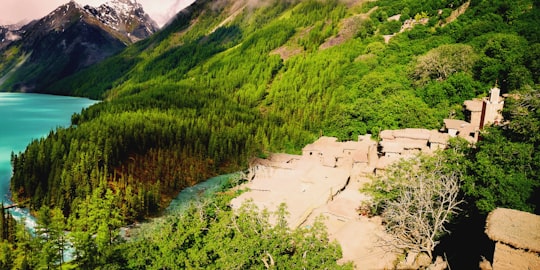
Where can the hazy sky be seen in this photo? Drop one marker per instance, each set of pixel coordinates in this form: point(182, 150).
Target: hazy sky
point(14, 11)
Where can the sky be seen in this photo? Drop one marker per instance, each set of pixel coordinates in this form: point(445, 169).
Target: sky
point(15, 11)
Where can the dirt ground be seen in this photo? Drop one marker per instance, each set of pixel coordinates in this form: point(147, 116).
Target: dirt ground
point(362, 239)
point(311, 190)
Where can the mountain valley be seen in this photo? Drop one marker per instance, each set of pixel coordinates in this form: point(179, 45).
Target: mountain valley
point(225, 82)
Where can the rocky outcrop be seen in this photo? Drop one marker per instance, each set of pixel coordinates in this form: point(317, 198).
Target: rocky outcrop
point(126, 17)
point(517, 239)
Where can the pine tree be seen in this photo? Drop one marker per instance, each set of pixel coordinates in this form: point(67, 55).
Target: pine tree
point(51, 237)
point(3, 223)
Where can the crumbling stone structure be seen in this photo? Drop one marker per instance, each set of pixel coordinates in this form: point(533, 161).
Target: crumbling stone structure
point(481, 112)
point(517, 239)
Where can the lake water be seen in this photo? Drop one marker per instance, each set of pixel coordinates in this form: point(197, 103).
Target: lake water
point(24, 117)
point(203, 189)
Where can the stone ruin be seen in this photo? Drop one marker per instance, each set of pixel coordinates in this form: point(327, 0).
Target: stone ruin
point(326, 177)
point(326, 166)
point(517, 239)
point(480, 112)
point(406, 143)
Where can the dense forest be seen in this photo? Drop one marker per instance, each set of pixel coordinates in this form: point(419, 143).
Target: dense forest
point(225, 82)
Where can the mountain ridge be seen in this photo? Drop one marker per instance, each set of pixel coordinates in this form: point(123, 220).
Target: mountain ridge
point(126, 17)
point(67, 40)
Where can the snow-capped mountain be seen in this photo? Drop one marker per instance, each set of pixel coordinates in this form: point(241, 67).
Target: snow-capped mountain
point(68, 39)
point(125, 16)
point(8, 34)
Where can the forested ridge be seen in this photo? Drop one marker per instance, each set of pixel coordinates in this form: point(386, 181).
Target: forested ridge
point(225, 82)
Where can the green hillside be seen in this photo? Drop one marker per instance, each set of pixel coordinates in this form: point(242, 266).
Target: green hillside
point(227, 81)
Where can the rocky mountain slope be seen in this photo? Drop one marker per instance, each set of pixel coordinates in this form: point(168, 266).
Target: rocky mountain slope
point(126, 17)
point(9, 34)
point(67, 40)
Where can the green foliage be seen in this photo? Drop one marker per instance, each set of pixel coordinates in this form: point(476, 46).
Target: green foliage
point(210, 235)
point(503, 61)
point(421, 15)
point(50, 230)
point(95, 227)
point(95, 81)
point(93, 232)
point(390, 27)
point(24, 252)
point(522, 110)
point(442, 62)
point(501, 172)
point(9, 59)
point(135, 141)
point(509, 11)
point(456, 89)
point(503, 168)
point(6, 255)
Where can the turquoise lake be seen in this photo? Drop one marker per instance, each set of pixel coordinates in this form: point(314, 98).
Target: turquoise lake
point(24, 117)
